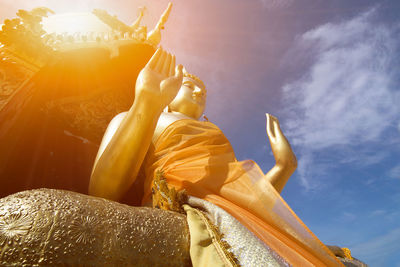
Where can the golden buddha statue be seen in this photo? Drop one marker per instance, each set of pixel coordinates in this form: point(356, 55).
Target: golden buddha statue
point(158, 87)
point(213, 209)
point(233, 214)
point(146, 142)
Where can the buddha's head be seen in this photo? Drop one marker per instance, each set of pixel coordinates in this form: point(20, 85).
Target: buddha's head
point(191, 98)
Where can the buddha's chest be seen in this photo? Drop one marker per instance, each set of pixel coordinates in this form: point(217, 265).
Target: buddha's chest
point(165, 120)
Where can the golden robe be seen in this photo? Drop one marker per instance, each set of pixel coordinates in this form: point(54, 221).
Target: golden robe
point(197, 157)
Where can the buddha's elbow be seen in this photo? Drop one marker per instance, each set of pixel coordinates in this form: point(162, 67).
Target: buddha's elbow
point(94, 188)
point(288, 166)
point(97, 188)
point(294, 163)
point(101, 185)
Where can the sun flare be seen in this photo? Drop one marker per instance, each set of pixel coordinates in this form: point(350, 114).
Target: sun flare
point(74, 23)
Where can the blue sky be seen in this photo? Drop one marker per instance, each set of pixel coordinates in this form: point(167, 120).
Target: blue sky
point(328, 70)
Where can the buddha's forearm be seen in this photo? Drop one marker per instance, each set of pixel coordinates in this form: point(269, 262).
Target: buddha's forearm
point(120, 162)
point(279, 175)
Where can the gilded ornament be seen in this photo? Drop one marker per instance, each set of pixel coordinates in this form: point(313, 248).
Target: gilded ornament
point(14, 226)
point(94, 232)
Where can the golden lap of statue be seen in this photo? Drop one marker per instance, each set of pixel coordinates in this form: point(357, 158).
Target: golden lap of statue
point(61, 228)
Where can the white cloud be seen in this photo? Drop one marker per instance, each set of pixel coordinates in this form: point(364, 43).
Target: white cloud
point(345, 98)
point(394, 172)
point(377, 213)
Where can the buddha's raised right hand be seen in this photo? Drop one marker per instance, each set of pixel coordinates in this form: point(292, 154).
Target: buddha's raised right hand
point(118, 162)
point(159, 81)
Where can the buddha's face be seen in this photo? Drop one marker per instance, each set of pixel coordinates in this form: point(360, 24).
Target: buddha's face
point(190, 100)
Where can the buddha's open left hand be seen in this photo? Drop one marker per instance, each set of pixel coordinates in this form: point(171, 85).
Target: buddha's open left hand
point(159, 81)
point(281, 149)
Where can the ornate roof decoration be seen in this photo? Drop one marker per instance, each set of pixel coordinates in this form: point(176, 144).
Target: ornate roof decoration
point(118, 25)
point(28, 38)
point(23, 37)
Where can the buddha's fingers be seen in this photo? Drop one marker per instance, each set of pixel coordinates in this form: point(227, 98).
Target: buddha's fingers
point(270, 130)
point(172, 66)
point(154, 59)
point(161, 62)
point(277, 128)
point(166, 66)
point(279, 136)
point(179, 73)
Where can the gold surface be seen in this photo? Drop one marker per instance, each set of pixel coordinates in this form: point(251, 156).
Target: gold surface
point(347, 253)
point(60, 228)
point(89, 114)
point(118, 162)
point(36, 38)
point(13, 75)
point(286, 162)
point(154, 36)
point(129, 135)
point(191, 98)
point(166, 198)
point(56, 227)
point(23, 37)
point(206, 246)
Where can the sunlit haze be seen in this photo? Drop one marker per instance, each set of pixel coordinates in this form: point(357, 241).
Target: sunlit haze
point(328, 70)
point(73, 23)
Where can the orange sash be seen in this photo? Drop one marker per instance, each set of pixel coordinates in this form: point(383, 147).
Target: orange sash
point(196, 156)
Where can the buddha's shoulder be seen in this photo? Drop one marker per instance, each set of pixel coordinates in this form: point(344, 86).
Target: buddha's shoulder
point(177, 122)
point(168, 118)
